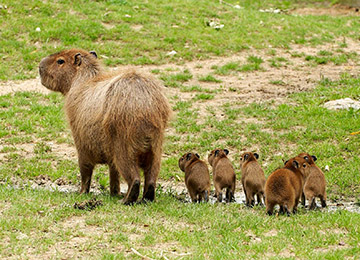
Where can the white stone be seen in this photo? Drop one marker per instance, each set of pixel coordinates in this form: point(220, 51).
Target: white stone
point(345, 103)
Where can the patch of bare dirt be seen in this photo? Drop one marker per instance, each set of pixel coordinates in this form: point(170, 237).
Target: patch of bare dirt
point(334, 10)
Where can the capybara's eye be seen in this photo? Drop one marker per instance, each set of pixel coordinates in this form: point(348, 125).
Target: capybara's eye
point(60, 61)
point(304, 165)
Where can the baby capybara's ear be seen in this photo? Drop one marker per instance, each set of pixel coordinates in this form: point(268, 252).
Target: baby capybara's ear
point(256, 156)
point(77, 59)
point(314, 157)
point(295, 164)
point(94, 54)
point(226, 151)
point(246, 156)
point(188, 156)
point(217, 152)
point(198, 156)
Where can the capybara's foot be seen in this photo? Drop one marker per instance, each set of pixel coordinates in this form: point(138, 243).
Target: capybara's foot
point(150, 193)
point(323, 203)
point(219, 197)
point(133, 193)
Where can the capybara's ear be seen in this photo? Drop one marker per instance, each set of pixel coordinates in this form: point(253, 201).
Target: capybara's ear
point(226, 151)
point(188, 156)
point(198, 156)
point(93, 53)
point(77, 59)
point(256, 156)
point(217, 152)
point(306, 158)
point(314, 157)
point(295, 164)
point(286, 162)
point(246, 156)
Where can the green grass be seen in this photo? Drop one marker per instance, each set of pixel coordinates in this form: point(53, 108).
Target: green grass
point(36, 223)
point(47, 221)
point(164, 26)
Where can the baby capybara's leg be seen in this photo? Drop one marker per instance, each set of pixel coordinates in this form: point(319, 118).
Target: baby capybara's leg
point(114, 181)
point(218, 192)
point(151, 172)
point(86, 170)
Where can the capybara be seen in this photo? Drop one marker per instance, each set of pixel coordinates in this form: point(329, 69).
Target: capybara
point(315, 184)
point(197, 177)
point(115, 118)
point(252, 178)
point(223, 174)
point(284, 186)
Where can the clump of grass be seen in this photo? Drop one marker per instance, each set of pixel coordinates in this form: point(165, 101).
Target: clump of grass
point(278, 62)
point(254, 63)
point(209, 78)
point(203, 96)
point(174, 80)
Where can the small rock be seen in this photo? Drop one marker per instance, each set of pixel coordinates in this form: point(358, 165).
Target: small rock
point(38, 29)
point(345, 103)
point(171, 53)
point(327, 168)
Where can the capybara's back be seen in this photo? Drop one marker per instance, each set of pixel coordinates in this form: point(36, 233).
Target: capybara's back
point(223, 174)
point(197, 177)
point(315, 184)
point(284, 186)
point(252, 178)
point(115, 118)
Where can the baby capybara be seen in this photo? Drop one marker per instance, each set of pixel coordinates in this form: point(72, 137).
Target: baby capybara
point(284, 186)
point(315, 184)
point(115, 118)
point(223, 174)
point(252, 178)
point(197, 177)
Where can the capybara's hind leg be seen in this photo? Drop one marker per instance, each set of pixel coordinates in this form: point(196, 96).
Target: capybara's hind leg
point(269, 208)
point(323, 201)
point(312, 203)
point(259, 199)
point(218, 192)
point(86, 171)
point(114, 181)
point(151, 172)
point(130, 172)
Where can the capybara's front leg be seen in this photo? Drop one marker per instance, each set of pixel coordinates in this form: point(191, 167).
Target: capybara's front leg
point(86, 171)
point(114, 181)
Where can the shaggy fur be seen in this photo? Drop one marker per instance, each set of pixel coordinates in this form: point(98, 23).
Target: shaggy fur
point(115, 118)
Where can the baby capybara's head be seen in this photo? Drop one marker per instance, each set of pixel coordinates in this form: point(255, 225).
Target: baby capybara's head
point(187, 158)
point(309, 158)
point(217, 153)
point(298, 163)
point(58, 71)
point(247, 157)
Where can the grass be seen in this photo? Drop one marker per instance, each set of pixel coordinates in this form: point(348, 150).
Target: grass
point(143, 33)
point(36, 141)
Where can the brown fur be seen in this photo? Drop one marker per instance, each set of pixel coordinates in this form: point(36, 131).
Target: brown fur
point(115, 118)
point(197, 177)
point(284, 186)
point(252, 178)
point(223, 174)
point(315, 184)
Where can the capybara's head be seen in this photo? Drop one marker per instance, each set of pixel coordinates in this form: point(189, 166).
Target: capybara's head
point(59, 70)
point(247, 157)
point(298, 163)
point(217, 153)
point(188, 157)
point(309, 158)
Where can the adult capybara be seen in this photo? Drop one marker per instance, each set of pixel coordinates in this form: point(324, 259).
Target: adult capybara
point(252, 178)
point(223, 174)
point(315, 184)
point(284, 186)
point(197, 177)
point(115, 118)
